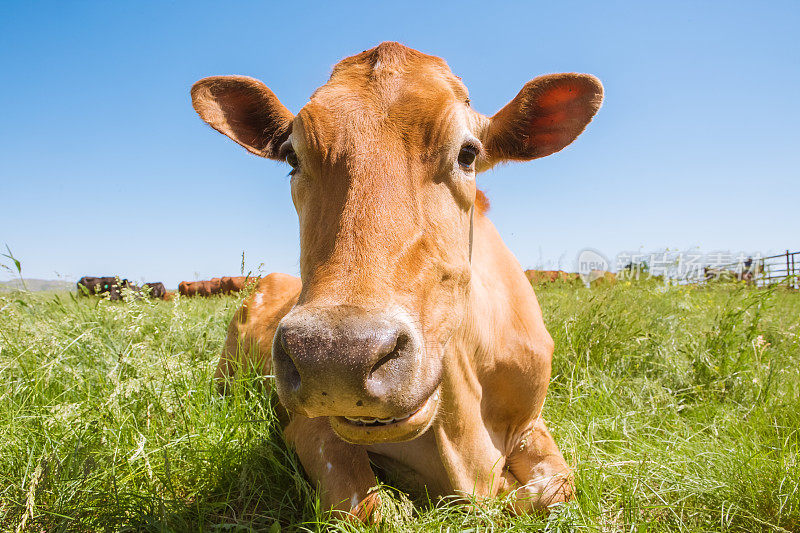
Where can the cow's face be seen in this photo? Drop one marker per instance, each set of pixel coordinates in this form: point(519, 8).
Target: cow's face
point(384, 158)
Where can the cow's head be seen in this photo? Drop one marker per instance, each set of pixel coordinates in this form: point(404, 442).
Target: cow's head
point(384, 158)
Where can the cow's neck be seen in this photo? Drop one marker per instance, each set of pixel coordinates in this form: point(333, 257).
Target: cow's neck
point(493, 384)
point(501, 298)
point(503, 331)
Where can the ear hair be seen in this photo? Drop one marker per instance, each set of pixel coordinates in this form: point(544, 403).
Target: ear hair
point(245, 110)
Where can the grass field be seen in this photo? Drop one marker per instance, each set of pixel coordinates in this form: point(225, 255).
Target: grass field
point(678, 407)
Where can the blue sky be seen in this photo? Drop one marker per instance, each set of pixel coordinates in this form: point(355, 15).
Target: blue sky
point(106, 169)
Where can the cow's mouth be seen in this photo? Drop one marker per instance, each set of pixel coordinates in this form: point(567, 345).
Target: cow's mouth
point(365, 430)
point(375, 422)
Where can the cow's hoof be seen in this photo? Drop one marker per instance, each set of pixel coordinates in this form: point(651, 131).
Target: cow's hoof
point(539, 496)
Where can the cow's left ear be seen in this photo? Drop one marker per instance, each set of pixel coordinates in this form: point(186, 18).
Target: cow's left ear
point(547, 114)
point(245, 110)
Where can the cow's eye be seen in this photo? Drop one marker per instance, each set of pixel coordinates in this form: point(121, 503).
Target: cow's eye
point(291, 159)
point(467, 155)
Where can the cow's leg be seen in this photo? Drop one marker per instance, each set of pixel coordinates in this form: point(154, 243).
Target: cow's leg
point(226, 368)
point(242, 350)
point(537, 473)
point(340, 471)
point(473, 465)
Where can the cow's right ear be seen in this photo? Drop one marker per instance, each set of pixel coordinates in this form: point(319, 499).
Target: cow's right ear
point(245, 110)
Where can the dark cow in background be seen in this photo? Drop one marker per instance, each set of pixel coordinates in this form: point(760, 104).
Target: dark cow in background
point(113, 285)
point(110, 285)
point(751, 269)
point(156, 289)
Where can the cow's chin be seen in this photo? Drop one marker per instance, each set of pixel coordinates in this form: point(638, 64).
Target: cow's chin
point(406, 427)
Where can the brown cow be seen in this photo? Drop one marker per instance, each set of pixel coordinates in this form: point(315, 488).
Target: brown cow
point(551, 276)
point(188, 288)
point(229, 285)
point(213, 286)
point(415, 339)
point(200, 288)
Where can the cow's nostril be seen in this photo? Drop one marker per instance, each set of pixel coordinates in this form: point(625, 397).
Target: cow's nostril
point(399, 347)
point(285, 369)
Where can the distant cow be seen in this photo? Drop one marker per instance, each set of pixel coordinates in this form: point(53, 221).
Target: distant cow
point(186, 288)
point(110, 285)
point(200, 288)
point(550, 276)
point(751, 270)
point(192, 288)
point(214, 286)
point(157, 289)
point(230, 285)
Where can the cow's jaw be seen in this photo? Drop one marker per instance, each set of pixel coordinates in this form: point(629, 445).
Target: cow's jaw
point(364, 430)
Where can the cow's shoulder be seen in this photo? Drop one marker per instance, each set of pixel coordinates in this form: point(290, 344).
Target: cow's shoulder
point(272, 298)
point(250, 332)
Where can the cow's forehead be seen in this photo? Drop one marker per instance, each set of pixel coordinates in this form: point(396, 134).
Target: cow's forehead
point(392, 64)
point(390, 90)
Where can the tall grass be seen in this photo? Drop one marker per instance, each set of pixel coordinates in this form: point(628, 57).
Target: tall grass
point(678, 407)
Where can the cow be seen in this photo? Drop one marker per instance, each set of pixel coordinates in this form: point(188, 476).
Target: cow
point(213, 286)
point(155, 289)
point(187, 288)
point(412, 338)
point(200, 288)
point(551, 276)
point(230, 285)
point(192, 288)
point(110, 285)
point(751, 270)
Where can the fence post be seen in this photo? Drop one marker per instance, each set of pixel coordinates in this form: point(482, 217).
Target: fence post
point(788, 272)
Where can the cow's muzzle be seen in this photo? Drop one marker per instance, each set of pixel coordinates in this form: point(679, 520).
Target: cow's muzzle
point(365, 369)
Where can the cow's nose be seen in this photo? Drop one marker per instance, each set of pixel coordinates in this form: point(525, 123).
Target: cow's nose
point(332, 362)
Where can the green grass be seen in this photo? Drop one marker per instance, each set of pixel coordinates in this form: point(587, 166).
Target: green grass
point(679, 409)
